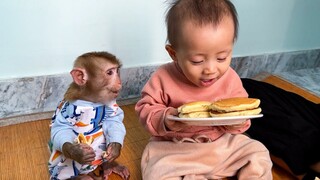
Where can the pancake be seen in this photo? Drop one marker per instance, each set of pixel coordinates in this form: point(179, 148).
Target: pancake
point(203, 114)
point(238, 106)
point(236, 113)
point(195, 109)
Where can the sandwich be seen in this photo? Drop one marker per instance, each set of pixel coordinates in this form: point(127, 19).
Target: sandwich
point(196, 109)
point(239, 106)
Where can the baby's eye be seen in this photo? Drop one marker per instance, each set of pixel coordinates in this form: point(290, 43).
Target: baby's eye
point(221, 59)
point(196, 61)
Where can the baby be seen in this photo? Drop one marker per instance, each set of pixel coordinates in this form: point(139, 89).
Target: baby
point(201, 35)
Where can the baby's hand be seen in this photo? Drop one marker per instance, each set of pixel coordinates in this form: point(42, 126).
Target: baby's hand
point(82, 153)
point(236, 126)
point(174, 125)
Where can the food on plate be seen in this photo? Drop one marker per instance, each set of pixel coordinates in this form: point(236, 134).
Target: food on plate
point(238, 106)
point(196, 109)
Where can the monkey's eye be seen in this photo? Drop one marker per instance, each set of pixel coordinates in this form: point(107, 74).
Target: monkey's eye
point(113, 71)
point(110, 72)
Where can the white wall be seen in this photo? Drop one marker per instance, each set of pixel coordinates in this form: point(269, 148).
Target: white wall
point(44, 37)
point(268, 26)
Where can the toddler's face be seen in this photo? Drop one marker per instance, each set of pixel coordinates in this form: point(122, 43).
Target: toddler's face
point(204, 52)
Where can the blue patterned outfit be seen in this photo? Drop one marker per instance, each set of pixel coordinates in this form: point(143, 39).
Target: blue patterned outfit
point(103, 122)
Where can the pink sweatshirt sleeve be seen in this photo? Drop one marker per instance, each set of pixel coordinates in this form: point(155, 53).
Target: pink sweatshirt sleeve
point(151, 108)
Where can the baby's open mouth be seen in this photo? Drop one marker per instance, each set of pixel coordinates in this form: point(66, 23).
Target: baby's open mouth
point(207, 82)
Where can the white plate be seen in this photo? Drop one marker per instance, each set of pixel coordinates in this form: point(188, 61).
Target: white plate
point(214, 121)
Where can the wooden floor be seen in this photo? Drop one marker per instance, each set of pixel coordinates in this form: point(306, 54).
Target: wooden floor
point(292, 88)
point(24, 153)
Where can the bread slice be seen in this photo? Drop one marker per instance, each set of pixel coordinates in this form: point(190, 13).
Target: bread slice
point(235, 104)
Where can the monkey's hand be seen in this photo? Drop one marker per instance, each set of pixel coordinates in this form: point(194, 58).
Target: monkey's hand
point(82, 153)
point(113, 167)
point(112, 152)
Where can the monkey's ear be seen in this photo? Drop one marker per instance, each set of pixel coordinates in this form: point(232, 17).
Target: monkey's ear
point(79, 76)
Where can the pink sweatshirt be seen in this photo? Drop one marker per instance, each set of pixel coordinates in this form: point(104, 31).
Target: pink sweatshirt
point(168, 88)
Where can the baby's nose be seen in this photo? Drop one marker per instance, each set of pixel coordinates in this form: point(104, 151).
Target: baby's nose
point(210, 68)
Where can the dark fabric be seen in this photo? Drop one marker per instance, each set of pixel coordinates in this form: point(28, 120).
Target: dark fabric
point(290, 126)
point(311, 175)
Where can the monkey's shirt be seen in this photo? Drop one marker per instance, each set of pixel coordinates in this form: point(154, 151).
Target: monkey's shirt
point(102, 122)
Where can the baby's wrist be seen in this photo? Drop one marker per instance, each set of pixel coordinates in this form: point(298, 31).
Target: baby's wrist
point(171, 125)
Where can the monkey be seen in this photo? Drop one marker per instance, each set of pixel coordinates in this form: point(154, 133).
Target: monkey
point(89, 108)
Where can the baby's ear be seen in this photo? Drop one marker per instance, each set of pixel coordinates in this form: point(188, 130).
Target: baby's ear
point(79, 76)
point(171, 52)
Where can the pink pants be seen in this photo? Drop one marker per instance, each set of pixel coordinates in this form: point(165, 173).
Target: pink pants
point(230, 155)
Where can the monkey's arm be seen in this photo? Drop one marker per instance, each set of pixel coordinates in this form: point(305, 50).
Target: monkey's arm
point(62, 137)
point(113, 127)
point(114, 131)
point(61, 132)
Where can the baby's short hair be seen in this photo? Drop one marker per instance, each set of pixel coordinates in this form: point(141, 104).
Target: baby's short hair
point(199, 12)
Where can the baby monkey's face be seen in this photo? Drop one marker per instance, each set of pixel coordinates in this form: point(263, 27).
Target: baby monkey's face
point(107, 83)
point(204, 52)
